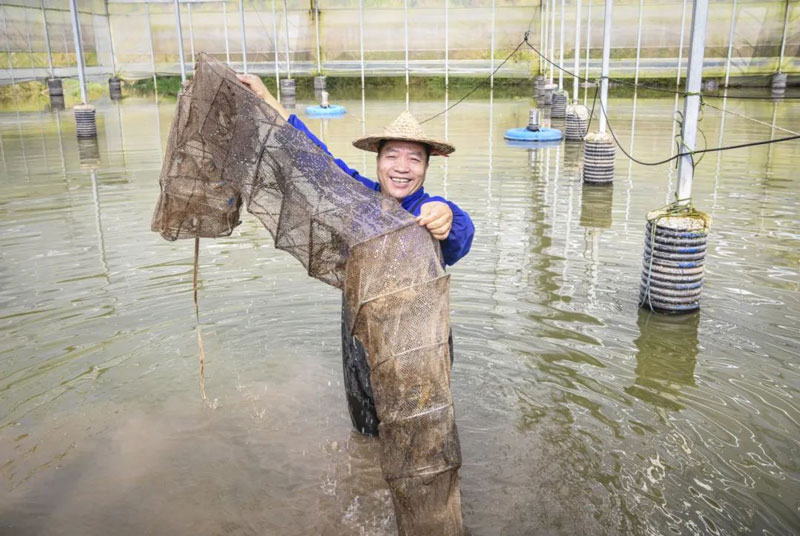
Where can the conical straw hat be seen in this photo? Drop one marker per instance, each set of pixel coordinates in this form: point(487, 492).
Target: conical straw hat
point(404, 128)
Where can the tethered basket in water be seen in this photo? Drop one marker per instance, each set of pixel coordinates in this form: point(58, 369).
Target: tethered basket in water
point(227, 147)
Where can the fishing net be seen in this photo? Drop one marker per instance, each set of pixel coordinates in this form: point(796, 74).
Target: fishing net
point(227, 148)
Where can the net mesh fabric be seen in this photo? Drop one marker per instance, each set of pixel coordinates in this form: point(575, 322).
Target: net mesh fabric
point(227, 148)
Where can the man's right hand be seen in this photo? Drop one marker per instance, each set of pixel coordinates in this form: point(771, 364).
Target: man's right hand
point(255, 85)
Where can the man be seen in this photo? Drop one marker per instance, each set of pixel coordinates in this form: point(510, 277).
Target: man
point(403, 155)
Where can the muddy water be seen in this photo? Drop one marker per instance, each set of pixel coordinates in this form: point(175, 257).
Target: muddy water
point(578, 413)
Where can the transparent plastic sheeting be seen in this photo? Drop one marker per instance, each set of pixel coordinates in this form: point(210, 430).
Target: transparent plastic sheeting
point(757, 37)
point(227, 148)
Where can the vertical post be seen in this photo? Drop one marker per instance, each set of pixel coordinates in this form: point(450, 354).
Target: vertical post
point(546, 36)
point(274, 42)
point(680, 46)
point(552, 36)
point(180, 40)
point(730, 43)
point(691, 102)
point(316, 23)
point(47, 40)
point(588, 47)
point(286, 24)
point(30, 46)
point(561, 49)
point(152, 48)
point(576, 63)
point(541, 34)
point(191, 30)
point(638, 44)
point(783, 38)
point(604, 70)
point(491, 47)
point(361, 38)
point(446, 44)
point(8, 46)
point(76, 34)
point(225, 28)
point(110, 40)
point(244, 38)
point(405, 23)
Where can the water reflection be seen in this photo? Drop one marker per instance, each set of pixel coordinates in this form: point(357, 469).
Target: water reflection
point(666, 356)
point(56, 103)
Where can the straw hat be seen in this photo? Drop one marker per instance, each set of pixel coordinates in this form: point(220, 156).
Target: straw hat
point(404, 128)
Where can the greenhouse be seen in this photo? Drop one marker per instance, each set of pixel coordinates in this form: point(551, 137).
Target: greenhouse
point(386, 267)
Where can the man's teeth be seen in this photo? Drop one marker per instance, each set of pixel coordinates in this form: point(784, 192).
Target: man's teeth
point(399, 180)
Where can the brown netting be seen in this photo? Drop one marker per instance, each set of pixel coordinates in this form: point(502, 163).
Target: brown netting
point(226, 147)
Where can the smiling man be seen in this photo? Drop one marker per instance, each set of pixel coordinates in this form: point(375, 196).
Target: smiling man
point(403, 156)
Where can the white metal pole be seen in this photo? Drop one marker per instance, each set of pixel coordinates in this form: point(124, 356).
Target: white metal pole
point(244, 37)
point(8, 46)
point(638, 44)
point(604, 70)
point(76, 35)
point(491, 52)
point(191, 31)
point(275, 42)
point(680, 46)
point(446, 45)
point(691, 101)
point(561, 49)
point(783, 39)
point(180, 40)
point(405, 13)
point(541, 34)
point(588, 47)
point(552, 37)
point(152, 48)
point(576, 64)
point(316, 23)
point(286, 25)
point(546, 36)
point(110, 40)
point(361, 38)
point(730, 42)
point(47, 40)
point(225, 27)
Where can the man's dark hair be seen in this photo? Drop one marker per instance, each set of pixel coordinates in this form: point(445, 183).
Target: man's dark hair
point(427, 148)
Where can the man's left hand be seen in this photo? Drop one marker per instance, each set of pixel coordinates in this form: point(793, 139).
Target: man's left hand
point(437, 217)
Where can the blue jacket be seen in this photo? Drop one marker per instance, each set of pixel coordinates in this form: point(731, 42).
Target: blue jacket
point(458, 242)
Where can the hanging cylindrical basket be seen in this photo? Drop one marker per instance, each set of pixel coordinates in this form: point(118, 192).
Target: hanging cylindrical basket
point(599, 153)
point(115, 88)
point(559, 110)
point(779, 81)
point(85, 125)
point(54, 87)
point(676, 241)
point(577, 122)
point(549, 89)
point(287, 87)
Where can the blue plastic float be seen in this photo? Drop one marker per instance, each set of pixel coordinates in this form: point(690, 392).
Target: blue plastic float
point(331, 111)
point(523, 134)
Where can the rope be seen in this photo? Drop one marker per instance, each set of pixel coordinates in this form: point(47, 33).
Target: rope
point(754, 120)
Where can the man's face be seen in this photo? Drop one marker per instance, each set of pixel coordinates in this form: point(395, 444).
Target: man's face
point(401, 168)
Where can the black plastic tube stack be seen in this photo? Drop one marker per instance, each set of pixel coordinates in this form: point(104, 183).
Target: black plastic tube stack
point(85, 125)
point(599, 153)
point(577, 122)
point(560, 98)
point(115, 88)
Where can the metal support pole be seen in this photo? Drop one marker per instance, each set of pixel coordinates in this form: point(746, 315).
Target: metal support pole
point(180, 40)
point(361, 38)
point(546, 36)
point(604, 70)
point(638, 44)
point(680, 47)
point(783, 39)
point(30, 46)
point(286, 24)
point(405, 13)
point(561, 49)
point(316, 23)
point(274, 42)
point(691, 102)
point(76, 35)
point(588, 47)
point(110, 41)
point(552, 36)
point(152, 48)
point(8, 46)
point(542, 37)
point(576, 64)
point(225, 28)
point(191, 31)
point(730, 43)
point(446, 43)
point(491, 52)
point(47, 41)
point(244, 37)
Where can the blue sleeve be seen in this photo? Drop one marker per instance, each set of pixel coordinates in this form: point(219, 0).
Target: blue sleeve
point(299, 125)
point(459, 241)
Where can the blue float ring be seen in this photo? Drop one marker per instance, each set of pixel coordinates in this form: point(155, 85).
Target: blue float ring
point(543, 134)
point(330, 111)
